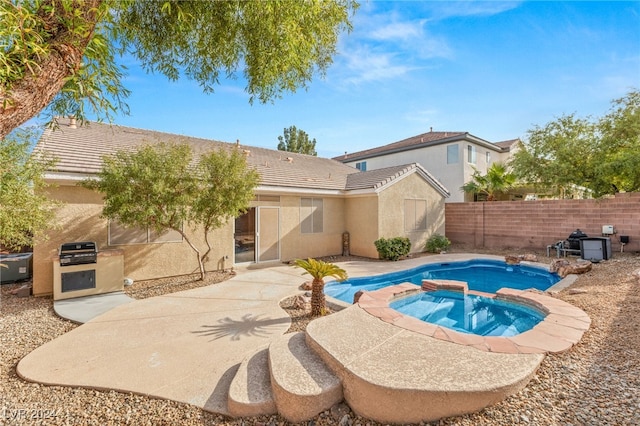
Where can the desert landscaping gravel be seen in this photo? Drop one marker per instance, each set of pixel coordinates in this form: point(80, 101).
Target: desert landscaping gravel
point(597, 382)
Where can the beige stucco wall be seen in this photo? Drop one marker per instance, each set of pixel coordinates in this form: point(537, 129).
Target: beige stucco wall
point(79, 220)
point(295, 244)
point(366, 218)
point(391, 210)
point(361, 215)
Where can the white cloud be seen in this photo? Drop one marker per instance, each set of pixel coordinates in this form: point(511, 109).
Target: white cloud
point(365, 65)
point(398, 31)
point(449, 9)
point(386, 45)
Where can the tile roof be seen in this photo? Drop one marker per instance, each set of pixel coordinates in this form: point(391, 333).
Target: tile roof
point(420, 141)
point(506, 145)
point(375, 179)
point(80, 150)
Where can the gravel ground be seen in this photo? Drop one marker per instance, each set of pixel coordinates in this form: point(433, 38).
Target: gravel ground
point(595, 383)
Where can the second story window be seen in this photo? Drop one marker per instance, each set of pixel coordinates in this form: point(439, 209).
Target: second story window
point(471, 154)
point(488, 158)
point(362, 166)
point(452, 154)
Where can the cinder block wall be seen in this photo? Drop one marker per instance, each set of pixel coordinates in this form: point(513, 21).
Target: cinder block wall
point(535, 224)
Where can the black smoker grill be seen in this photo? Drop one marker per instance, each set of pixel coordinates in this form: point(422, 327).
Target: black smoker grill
point(80, 253)
point(573, 241)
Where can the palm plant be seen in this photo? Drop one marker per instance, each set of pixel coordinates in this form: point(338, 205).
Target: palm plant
point(497, 180)
point(319, 270)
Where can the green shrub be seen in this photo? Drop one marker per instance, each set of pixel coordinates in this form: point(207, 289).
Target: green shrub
point(393, 248)
point(437, 243)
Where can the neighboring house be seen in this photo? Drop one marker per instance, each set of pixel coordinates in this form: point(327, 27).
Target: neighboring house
point(302, 207)
point(449, 156)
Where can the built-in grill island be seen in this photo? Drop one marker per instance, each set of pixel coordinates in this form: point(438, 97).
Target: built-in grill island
point(82, 270)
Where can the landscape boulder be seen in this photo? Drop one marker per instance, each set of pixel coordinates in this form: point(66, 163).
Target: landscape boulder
point(301, 302)
point(563, 267)
point(515, 259)
point(307, 285)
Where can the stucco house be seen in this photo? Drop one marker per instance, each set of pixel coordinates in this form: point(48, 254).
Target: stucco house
point(451, 157)
point(302, 207)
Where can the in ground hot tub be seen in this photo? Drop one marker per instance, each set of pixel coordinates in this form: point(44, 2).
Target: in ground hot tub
point(469, 313)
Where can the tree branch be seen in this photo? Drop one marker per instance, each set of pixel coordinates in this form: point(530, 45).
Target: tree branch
point(29, 95)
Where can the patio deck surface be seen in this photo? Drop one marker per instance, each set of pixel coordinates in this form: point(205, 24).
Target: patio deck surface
point(187, 346)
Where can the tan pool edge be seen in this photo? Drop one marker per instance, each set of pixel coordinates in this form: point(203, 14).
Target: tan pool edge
point(562, 327)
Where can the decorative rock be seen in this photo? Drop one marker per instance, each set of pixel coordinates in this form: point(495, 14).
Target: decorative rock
point(575, 268)
point(305, 286)
point(345, 421)
point(301, 302)
point(339, 410)
point(557, 264)
point(512, 260)
point(23, 291)
point(515, 259)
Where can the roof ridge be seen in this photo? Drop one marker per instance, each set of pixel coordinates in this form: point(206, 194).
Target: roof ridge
point(405, 169)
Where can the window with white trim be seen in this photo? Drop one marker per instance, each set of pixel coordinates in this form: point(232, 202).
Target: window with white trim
point(362, 166)
point(311, 215)
point(415, 215)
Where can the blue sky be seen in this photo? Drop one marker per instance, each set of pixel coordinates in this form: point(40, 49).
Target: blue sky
point(494, 69)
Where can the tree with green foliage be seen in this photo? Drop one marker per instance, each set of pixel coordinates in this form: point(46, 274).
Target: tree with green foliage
point(62, 53)
point(159, 187)
point(497, 180)
point(320, 270)
point(602, 155)
point(618, 168)
point(25, 210)
point(297, 140)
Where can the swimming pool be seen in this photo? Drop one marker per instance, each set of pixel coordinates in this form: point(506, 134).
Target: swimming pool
point(469, 313)
point(480, 274)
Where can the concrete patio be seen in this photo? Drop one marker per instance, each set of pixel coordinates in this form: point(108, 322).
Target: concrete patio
point(188, 347)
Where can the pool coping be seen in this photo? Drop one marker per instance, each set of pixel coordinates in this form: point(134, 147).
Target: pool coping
point(382, 268)
point(562, 327)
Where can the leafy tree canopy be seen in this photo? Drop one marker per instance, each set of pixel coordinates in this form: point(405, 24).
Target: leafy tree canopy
point(159, 186)
point(602, 155)
point(25, 212)
point(297, 140)
point(497, 180)
point(62, 52)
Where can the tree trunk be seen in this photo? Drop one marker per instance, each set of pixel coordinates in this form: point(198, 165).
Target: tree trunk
point(28, 96)
point(195, 249)
point(318, 305)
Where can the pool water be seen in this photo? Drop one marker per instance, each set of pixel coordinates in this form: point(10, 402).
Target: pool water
point(481, 275)
point(469, 314)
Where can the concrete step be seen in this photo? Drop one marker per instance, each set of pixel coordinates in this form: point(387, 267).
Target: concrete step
point(303, 386)
point(396, 376)
point(250, 392)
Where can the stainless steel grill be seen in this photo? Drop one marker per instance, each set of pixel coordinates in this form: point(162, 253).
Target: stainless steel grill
point(78, 253)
